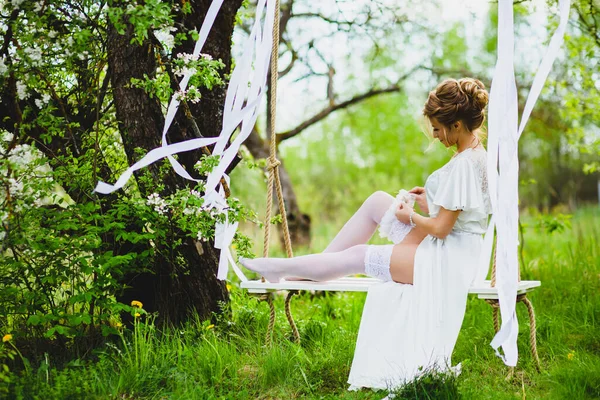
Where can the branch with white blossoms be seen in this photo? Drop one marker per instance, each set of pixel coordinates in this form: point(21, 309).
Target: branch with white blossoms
point(25, 179)
point(204, 69)
point(192, 94)
point(159, 204)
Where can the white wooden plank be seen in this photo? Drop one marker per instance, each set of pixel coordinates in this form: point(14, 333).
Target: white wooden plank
point(484, 289)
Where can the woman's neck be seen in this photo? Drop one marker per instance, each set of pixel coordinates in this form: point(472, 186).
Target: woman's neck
point(466, 141)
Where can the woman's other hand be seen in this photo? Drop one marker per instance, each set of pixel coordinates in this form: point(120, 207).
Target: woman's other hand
point(420, 198)
point(403, 213)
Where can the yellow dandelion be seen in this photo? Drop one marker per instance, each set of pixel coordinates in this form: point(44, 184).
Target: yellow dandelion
point(228, 287)
point(137, 304)
point(234, 246)
point(7, 338)
point(211, 326)
point(571, 355)
point(137, 315)
point(118, 325)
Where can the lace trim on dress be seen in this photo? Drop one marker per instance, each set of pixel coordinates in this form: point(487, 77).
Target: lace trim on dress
point(479, 159)
point(377, 261)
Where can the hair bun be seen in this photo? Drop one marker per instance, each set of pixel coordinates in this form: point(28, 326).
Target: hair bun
point(475, 89)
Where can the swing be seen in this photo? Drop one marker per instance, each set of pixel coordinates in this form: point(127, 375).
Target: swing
point(244, 96)
point(485, 290)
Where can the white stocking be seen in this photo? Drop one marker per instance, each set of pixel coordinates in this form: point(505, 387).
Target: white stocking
point(316, 267)
point(361, 226)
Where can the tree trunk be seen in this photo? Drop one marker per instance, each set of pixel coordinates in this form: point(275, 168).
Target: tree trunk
point(298, 222)
point(174, 289)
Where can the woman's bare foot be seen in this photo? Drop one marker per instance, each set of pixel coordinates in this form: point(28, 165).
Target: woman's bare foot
point(261, 265)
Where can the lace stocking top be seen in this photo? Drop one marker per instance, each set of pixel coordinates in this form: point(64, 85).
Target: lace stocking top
point(462, 184)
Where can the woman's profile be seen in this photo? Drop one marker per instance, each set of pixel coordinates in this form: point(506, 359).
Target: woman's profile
point(411, 321)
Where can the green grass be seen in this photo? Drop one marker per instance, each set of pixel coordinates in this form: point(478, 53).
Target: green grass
point(230, 360)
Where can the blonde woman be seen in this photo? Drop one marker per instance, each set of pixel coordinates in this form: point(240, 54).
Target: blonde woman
point(410, 323)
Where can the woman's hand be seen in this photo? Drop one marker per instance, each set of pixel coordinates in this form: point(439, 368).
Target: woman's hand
point(403, 213)
point(420, 198)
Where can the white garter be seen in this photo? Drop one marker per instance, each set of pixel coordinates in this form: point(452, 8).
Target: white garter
point(377, 261)
point(390, 227)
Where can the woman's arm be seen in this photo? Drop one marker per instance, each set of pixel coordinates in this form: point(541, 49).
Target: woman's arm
point(439, 226)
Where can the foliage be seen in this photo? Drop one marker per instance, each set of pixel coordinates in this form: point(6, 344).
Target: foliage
point(61, 265)
point(579, 80)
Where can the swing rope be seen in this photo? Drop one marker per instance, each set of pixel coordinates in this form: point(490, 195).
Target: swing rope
point(274, 180)
point(274, 163)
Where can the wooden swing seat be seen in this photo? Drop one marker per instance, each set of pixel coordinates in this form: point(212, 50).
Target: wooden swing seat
point(483, 290)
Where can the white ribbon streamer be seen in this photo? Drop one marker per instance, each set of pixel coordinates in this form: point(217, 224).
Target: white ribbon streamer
point(502, 152)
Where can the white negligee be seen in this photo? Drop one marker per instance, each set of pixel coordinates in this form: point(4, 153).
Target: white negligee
point(407, 329)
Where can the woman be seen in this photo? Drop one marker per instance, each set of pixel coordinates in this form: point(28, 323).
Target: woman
point(411, 322)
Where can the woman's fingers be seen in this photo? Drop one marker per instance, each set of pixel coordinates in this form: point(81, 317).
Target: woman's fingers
point(417, 190)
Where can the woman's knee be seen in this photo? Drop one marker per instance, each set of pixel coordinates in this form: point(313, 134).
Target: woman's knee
point(381, 196)
point(377, 204)
point(356, 251)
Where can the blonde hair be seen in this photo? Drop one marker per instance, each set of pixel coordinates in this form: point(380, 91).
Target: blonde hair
point(458, 100)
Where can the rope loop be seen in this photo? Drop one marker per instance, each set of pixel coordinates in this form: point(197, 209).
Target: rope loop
point(273, 164)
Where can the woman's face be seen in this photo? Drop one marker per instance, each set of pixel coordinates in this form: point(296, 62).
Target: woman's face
point(440, 132)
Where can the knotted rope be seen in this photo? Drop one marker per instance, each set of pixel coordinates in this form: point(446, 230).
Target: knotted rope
point(523, 298)
point(273, 161)
point(274, 180)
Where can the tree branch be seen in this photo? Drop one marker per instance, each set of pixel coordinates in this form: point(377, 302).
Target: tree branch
point(334, 107)
point(286, 14)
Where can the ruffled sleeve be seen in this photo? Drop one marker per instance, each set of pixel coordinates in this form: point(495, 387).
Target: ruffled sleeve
point(461, 189)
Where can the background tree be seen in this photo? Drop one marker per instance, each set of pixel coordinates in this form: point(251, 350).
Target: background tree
point(86, 84)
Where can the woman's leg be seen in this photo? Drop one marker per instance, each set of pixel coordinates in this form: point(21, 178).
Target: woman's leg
point(328, 266)
point(361, 226)
point(316, 267)
point(402, 262)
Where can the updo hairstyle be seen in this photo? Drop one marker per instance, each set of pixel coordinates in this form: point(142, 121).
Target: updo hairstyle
point(458, 100)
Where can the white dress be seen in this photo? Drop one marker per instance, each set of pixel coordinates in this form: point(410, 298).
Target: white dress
point(408, 329)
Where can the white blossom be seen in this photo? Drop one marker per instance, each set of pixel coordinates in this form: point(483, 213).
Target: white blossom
point(3, 67)
point(6, 136)
point(207, 57)
point(22, 155)
point(15, 187)
point(46, 98)
point(39, 103)
point(52, 34)
point(184, 71)
point(187, 57)
point(38, 6)
point(164, 36)
point(17, 3)
point(160, 205)
point(22, 91)
point(34, 54)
